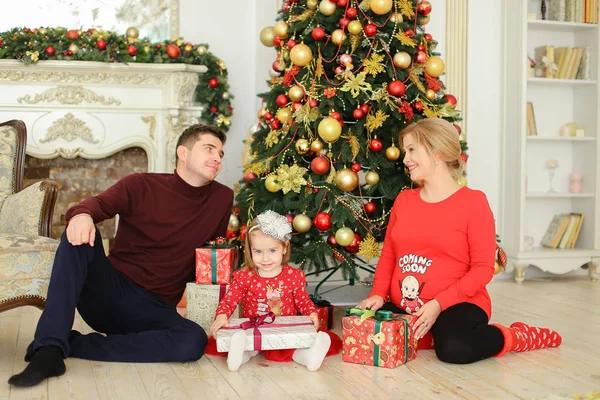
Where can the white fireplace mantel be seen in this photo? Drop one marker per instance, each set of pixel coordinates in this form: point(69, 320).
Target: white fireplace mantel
point(95, 109)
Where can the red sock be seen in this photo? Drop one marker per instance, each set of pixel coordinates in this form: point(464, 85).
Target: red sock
point(523, 337)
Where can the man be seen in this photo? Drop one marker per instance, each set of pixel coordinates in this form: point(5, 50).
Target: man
point(131, 295)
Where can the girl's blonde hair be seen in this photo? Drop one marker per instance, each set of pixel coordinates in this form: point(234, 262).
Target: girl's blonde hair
point(248, 263)
point(438, 136)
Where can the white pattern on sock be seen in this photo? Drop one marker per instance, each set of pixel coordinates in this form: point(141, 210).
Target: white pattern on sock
point(313, 357)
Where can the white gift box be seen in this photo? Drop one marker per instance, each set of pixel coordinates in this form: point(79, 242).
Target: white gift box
point(202, 302)
point(272, 336)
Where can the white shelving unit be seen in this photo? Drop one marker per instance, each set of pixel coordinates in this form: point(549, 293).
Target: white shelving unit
point(528, 206)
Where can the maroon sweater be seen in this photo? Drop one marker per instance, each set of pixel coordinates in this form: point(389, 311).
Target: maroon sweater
point(162, 219)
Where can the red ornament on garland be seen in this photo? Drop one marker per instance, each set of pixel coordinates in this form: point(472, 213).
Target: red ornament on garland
point(286, 6)
point(354, 246)
point(173, 51)
point(291, 43)
point(213, 82)
point(458, 129)
point(213, 109)
point(322, 221)
point(375, 145)
point(336, 115)
point(313, 103)
point(370, 30)
point(396, 88)
point(370, 207)
point(318, 33)
point(158, 46)
point(356, 167)
point(277, 41)
point(409, 32)
point(418, 106)
point(73, 34)
point(319, 165)
point(230, 235)
point(365, 108)
point(101, 44)
point(338, 70)
point(131, 50)
point(268, 116)
point(421, 47)
point(26, 30)
point(351, 13)
point(296, 106)
point(331, 241)
point(275, 124)
point(281, 100)
point(342, 3)
point(1, 42)
point(249, 176)
point(50, 51)
point(358, 113)
point(464, 157)
point(290, 218)
point(450, 99)
point(424, 7)
point(344, 22)
point(421, 57)
point(428, 37)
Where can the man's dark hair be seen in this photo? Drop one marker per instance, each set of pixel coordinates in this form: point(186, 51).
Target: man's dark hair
point(192, 134)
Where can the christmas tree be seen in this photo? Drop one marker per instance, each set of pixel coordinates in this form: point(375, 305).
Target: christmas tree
point(347, 78)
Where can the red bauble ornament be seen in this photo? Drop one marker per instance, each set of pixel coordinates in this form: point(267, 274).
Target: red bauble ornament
point(318, 33)
point(213, 82)
point(354, 246)
point(421, 57)
point(26, 30)
point(319, 165)
point(356, 167)
point(370, 30)
point(243, 232)
point(428, 37)
point(358, 113)
point(322, 221)
point(464, 157)
point(336, 115)
point(296, 105)
point(315, 190)
point(313, 103)
point(396, 88)
point(291, 43)
point(275, 124)
point(424, 7)
point(421, 47)
point(101, 44)
point(365, 107)
point(277, 66)
point(418, 106)
point(450, 99)
point(458, 129)
point(50, 51)
point(331, 241)
point(370, 207)
point(375, 145)
point(286, 6)
point(1, 42)
point(338, 70)
point(173, 51)
point(73, 34)
point(344, 22)
point(268, 116)
point(342, 3)
point(290, 218)
point(281, 100)
point(351, 13)
point(158, 46)
point(230, 235)
point(213, 109)
point(249, 176)
point(68, 53)
point(131, 50)
point(409, 32)
point(277, 41)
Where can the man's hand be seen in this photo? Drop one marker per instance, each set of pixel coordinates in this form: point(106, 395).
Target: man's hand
point(373, 302)
point(314, 318)
point(81, 230)
point(217, 324)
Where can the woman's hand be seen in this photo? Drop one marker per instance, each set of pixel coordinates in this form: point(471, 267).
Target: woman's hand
point(374, 303)
point(427, 315)
point(314, 318)
point(218, 323)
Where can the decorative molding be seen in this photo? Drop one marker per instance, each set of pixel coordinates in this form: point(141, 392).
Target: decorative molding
point(152, 120)
point(68, 94)
point(83, 77)
point(69, 128)
point(69, 153)
point(174, 18)
point(186, 86)
point(457, 22)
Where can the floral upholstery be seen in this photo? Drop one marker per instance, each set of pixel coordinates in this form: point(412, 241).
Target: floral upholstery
point(8, 149)
point(20, 213)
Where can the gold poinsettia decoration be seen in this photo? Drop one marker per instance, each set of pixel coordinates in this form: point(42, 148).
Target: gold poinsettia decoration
point(405, 40)
point(291, 178)
point(223, 120)
point(373, 64)
point(429, 111)
point(406, 8)
point(368, 248)
point(305, 115)
point(356, 84)
point(376, 121)
point(447, 110)
point(272, 138)
point(418, 83)
point(304, 16)
point(258, 167)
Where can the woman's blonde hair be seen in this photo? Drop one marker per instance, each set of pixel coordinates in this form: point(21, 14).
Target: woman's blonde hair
point(438, 136)
point(248, 263)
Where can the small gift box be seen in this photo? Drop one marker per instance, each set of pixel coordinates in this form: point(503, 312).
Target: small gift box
point(215, 264)
point(381, 338)
point(325, 312)
point(202, 302)
point(269, 333)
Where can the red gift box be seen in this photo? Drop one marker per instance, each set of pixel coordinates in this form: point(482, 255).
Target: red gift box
point(381, 338)
point(214, 265)
point(325, 312)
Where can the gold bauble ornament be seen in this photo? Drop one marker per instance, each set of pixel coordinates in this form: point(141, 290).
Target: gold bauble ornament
point(381, 7)
point(301, 54)
point(355, 27)
point(329, 129)
point(201, 50)
point(234, 223)
point(280, 29)
point(397, 18)
point(424, 19)
point(316, 146)
point(346, 180)
point(147, 49)
point(327, 7)
point(271, 183)
point(132, 34)
point(497, 268)
point(372, 178)
point(312, 4)
point(284, 115)
point(296, 93)
point(344, 236)
point(301, 222)
point(434, 66)
point(338, 36)
point(392, 153)
point(430, 94)
point(266, 36)
point(73, 48)
point(402, 59)
point(302, 146)
point(188, 47)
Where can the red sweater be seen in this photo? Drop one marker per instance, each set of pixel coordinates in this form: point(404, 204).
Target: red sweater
point(443, 251)
point(284, 294)
point(162, 219)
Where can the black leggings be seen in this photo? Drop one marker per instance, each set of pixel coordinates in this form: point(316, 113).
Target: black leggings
point(461, 334)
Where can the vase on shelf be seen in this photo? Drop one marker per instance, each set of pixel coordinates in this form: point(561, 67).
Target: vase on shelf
point(551, 166)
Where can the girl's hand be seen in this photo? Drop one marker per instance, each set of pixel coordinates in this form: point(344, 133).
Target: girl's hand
point(427, 314)
point(218, 323)
point(314, 318)
point(373, 302)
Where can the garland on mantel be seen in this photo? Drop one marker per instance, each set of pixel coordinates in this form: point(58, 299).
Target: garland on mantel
point(31, 45)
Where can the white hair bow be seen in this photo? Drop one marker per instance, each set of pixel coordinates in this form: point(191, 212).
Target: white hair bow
point(274, 225)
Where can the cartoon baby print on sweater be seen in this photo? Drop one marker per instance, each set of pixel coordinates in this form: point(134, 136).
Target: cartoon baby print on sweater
point(410, 294)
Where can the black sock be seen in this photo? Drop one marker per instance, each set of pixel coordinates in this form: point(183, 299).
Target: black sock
point(29, 353)
point(45, 363)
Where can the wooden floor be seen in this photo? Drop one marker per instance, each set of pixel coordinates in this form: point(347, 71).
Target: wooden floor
point(571, 306)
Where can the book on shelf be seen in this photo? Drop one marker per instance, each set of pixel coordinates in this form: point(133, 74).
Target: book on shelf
point(563, 231)
point(531, 127)
point(573, 62)
point(585, 11)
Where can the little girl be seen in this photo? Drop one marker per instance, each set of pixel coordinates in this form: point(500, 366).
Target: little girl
point(268, 284)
